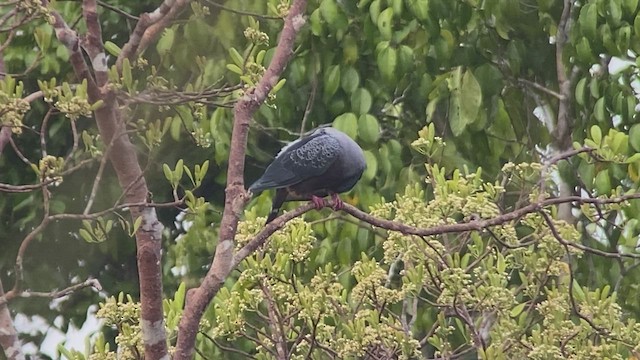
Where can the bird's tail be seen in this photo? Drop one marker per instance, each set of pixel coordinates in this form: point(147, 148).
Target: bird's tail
point(278, 200)
point(272, 215)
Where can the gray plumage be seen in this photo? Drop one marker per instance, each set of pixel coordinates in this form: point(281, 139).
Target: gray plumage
point(327, 162)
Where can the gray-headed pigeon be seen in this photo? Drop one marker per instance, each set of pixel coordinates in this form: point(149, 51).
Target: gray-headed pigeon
point(327, 162)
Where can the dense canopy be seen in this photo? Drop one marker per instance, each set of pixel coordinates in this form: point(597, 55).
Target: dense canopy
point(497, 216)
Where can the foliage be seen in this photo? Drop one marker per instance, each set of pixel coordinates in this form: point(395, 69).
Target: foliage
point(505, 292)
point(480, 82)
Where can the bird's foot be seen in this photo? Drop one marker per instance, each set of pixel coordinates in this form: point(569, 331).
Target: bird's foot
point(318, 202)
point(338, 204)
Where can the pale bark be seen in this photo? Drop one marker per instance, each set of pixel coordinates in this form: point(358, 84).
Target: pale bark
point(199, 298)
point(124, 160)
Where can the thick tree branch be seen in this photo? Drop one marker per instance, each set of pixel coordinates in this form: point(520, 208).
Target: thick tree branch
point(93, 42)
point(8, 336)
point(124, 160)
point(236, 195)
point(5, 131)
point(561, 134)
point(5, 135)
point(9, 340)
point(70, 40)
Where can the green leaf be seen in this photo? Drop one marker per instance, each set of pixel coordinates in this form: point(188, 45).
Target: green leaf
point(167, 172)
point(43, 37)
point(329, 10)
point(583, 50)
point(127, 78)
point(331, 81)
point(202, 172)
point(588, 20)
point(236, 57)
point(190, 175)
point(260, 56)
point(634, 137)
point(517, 310)
point(234, 69)
point(596, 134)
point(350, 80)
point(84, 234)
point(577, 291)
point(165, 43)
point(629, 6)
point(466, 98)
point(581, 92)
point(405, 59)
point(350, 50)
point(599, 110)
point(368, 128)
point(179, 297)
point(385, 23)
point(344, 251)
point(372, 166)
point(623, 38)
point(387, 61)
point(633, 158)
point(278, 86)
point(594, 88)
point(501, 129)
point(613, 13)
point(419, 8)
point(176, 126)
point(603, 182)
point(136, 225)
point(316, 22)
point(374, 10)
point(347, 123)
point(361, 101)
point(179, 170)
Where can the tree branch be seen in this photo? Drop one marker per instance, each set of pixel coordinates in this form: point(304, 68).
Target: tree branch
point(8, 336)
point(93, 283)
point(542, 88)
point(5, 131)
point(236, 196)
point(275, 322)
point(5, 135)
point(562, 131)
point(93, 42)
point(149, 27)
point(124, 160)
point(475, 225)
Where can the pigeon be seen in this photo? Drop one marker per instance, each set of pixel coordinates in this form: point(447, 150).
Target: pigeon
point(326, 162)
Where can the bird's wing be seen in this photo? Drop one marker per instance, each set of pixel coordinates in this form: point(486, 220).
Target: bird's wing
point(301, 160)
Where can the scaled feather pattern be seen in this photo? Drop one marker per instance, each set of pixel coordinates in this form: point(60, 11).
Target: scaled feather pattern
point(327, 162)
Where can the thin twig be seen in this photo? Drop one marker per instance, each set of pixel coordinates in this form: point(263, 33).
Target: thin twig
point(93, 283)
point(310, 101)
point(43, 132)
point(117, 10)
point(542, 88)
point(241, 12)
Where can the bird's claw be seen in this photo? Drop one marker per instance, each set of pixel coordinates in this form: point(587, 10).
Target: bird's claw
point(318, 202)
point(338, 204)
